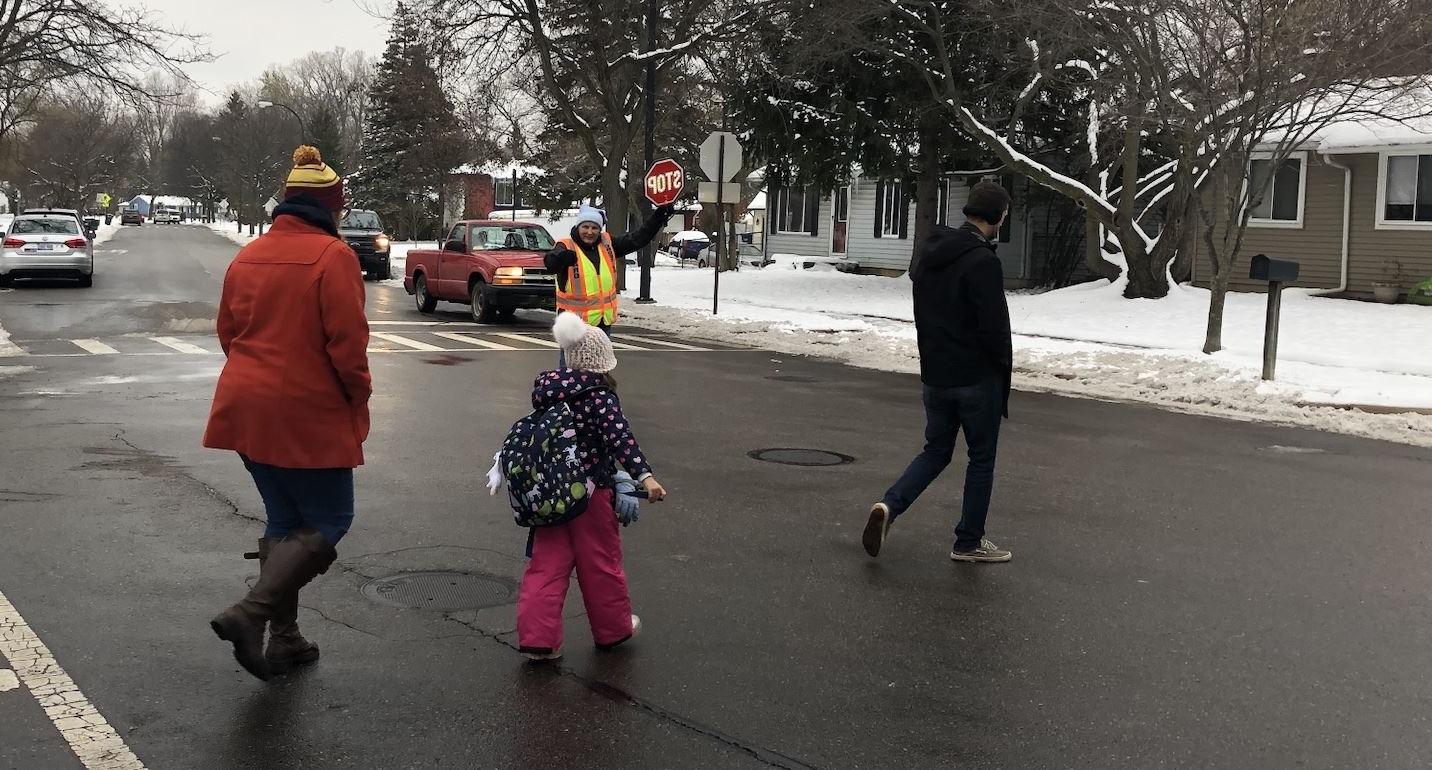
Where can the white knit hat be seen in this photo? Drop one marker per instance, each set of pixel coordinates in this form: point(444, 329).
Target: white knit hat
point(587, 347)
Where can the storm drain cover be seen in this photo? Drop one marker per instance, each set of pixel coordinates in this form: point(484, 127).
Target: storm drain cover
point(803, 457)
point(791, 378)
point(443, 591)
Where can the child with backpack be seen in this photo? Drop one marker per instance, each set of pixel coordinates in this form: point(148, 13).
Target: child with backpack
point(578, 423)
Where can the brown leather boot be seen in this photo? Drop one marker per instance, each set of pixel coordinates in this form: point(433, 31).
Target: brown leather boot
point(288, 566)
point(286, 646)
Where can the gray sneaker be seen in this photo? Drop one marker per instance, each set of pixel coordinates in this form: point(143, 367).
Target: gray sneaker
point(986, 552)
point(876, 528)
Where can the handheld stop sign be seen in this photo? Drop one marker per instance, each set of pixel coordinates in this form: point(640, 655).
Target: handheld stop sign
point(664, 182)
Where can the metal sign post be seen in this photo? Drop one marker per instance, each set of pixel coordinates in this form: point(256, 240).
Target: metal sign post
point(721, 159)
point(720, 223)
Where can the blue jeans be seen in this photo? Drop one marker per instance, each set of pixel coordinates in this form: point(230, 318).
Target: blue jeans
point(976, 409)
point(321, 498)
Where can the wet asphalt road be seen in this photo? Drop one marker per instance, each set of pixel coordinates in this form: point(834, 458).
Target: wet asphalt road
point(1185, 592)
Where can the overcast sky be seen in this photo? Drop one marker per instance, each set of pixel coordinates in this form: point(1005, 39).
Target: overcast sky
point(249, 35)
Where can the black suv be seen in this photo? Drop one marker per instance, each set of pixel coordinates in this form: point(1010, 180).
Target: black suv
point(362, 230)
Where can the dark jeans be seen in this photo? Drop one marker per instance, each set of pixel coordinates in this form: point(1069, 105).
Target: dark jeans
point(562, 354)
point(976, 409)
point(321, 498)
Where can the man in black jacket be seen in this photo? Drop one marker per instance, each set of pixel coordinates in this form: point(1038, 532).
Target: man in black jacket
point(966, 361)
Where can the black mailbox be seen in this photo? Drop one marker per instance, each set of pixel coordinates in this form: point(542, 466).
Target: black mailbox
point(1265, 268)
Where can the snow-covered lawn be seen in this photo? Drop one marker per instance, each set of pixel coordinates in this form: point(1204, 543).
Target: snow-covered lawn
point(1090, 341)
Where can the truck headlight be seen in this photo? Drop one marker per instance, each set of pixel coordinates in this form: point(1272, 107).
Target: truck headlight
point(507, 276)
point(381, 243)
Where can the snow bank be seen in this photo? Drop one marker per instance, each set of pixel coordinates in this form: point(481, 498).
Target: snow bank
point(1090, 341)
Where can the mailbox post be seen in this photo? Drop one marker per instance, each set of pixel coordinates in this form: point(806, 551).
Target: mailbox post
point(1278, 273)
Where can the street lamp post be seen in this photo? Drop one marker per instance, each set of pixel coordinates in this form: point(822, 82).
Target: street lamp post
point(302, 129)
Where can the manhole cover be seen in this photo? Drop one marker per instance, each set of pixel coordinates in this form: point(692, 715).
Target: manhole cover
point(791, 378)
point(440, 590)
point(802, 457)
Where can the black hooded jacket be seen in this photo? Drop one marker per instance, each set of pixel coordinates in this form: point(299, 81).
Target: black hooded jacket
point(961, 317)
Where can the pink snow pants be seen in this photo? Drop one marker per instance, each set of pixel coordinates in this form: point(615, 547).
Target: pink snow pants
point(592, 544)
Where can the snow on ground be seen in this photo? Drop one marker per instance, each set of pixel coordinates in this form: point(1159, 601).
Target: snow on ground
point(1089, 341)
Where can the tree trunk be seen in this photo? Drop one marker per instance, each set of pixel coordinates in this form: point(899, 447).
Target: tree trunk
point(927, 189)
point(614, 200)
point(1213, 338)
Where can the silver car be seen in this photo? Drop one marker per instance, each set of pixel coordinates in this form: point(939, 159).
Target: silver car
point(47, 246)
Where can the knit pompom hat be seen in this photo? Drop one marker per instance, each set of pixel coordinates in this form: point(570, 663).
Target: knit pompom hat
point(312, 177)
point(592, 214)
point(587, 347)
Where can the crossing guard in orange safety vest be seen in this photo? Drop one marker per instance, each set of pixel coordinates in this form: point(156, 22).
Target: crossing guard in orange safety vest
point(586, 264)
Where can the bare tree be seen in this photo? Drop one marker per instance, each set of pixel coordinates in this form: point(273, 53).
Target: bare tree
point(591, 58)
point(44, 42)
point(79, 146)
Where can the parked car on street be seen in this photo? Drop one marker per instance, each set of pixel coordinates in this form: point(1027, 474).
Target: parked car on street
point(687, 243)
point(131, 217)
point(166, 216)
point(493, 266)
point(362, 230)
point(750, 256)
point(47, 244)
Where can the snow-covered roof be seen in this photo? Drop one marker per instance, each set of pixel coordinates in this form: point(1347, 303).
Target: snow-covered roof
point(758, 202)
point(1377, 117)
point(499, 170)
point(163, 200)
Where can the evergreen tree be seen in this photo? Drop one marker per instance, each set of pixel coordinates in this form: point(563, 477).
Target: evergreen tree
point(411, 139)
point(327, 136)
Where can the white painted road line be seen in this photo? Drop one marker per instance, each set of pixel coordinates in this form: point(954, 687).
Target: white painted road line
point(8, 680)
point(90, 737)
point(398, 339)
point(529, 340)
point(468, 339)
point(96, 347)
point(663, 343)
point(181, 346)
point(625, 346)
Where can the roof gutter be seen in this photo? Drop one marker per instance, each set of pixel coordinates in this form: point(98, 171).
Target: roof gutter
point(1346, 225)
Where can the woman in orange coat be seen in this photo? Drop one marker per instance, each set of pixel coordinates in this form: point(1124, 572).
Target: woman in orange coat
point(293, 402)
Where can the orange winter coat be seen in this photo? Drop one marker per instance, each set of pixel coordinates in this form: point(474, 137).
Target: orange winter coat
point(294, 392)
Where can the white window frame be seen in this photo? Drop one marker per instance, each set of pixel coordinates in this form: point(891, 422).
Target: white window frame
point(784, 209)
point(1382, 223)
point(497, 193)
point(890, 210)
point(1280, 224)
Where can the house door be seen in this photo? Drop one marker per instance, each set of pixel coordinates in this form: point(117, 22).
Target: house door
point(840, 221)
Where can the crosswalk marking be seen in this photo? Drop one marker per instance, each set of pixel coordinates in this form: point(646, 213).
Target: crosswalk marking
point(471, 340)
point(411, 341)
point(399, 339)
point(96, 347)
point(527, 339)
point(663, 343)
point(183, 347)
point(625, 346)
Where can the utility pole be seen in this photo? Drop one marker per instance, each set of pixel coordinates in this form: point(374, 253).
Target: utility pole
point(648, 253)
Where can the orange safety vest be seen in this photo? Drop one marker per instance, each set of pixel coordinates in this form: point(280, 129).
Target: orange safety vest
point(591, 289)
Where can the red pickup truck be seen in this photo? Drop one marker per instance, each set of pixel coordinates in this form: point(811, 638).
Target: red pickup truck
point(491, 265)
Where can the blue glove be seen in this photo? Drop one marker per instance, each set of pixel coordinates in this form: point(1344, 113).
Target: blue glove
point(627, 506)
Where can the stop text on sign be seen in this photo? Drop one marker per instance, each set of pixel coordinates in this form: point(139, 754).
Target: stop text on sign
point(664, 182)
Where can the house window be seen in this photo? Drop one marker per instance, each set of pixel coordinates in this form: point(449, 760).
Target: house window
point(1406, 191)
point(842, 204)
point(942, 207)
point(1282, 191)
point(792, 212)
point(503, 193)
point(889, 204)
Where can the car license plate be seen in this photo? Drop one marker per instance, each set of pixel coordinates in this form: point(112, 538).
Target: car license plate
point(44, 247)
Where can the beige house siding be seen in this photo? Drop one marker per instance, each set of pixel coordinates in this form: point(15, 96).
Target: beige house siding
point(1372, 248)
point(1317, 244)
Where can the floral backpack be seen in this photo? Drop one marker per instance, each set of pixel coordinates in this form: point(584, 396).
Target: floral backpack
point(546, 484)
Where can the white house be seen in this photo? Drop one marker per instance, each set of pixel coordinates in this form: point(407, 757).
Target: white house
point(867, 224)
